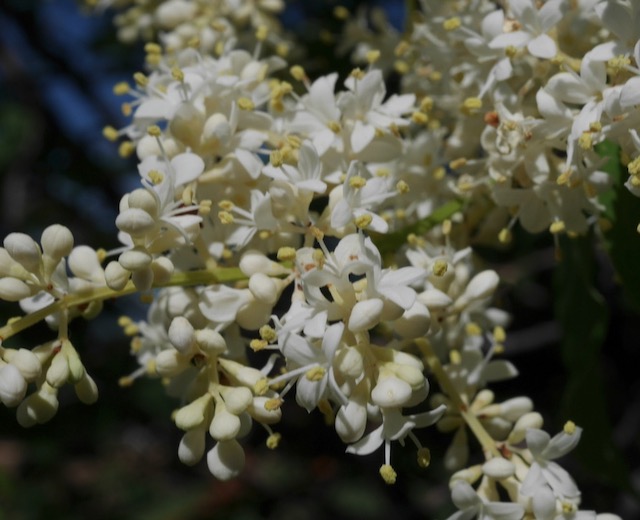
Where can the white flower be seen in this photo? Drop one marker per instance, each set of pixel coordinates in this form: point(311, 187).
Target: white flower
point(361, 194)
point(621, 19)
point(544, 472)
point(394, 427)
point(471, 505)
point(534, 26)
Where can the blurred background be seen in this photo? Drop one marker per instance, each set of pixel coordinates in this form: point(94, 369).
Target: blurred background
point(118, 458)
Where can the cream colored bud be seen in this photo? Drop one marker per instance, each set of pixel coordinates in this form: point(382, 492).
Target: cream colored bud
point(498, 468)
point(414, 323)
point(170, 363)
point(434, 299)
point(263, 288)
point(351, 421)
point(226, 459)
point(174, 12)
point(39, 407)
point(225, 425)
point(25, 361)
point(182, 335)
point(247, 376)
point(9, 267)
point(391, 392)
point(84, 263)
point(13, 386)
point(86, 389)
point(513, 409)
point(192, 415)
point(528, 420)
point(483, 399)
point(58, 372)
point(192, 446)
point(144, 200)
point(24, 250)
point(481, 285)
point(116, 276)
point(470, 475)
point(365, 315)
point(135, 222)
point(236, 398)
point(76, 368)
point(143, 279)
point(349, 362)
point(411, 375)
point(211, 341)
point(13, 290)
point(253, 262)
point(135, 259)
point(57, 241)
point(162, 269)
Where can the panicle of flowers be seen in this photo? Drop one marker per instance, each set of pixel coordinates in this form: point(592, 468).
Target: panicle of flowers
point(258, 221)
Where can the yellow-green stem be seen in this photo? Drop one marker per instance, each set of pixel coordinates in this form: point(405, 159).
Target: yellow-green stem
point(447, 386)
point(184, 279)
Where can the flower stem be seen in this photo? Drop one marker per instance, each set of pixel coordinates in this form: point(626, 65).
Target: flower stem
point(183, 279)
point(447, 386)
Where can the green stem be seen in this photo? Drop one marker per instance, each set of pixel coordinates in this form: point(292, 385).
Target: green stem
point(447, 386)
point(183, 279)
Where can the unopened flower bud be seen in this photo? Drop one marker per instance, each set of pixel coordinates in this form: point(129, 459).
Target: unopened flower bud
point(513, 409)
point(481, 286)
point(162, 269)
point(351, 421)
point(86, 389)
point(211, 341)
point(236, 398)
point(365, 315)
point(25, 361)
point(414, 323)
point(263, 288)
point(528, 420)
point(226, 459)
point(116, 276)
point(498, 468)
point(192, 447)
point(253, 262)
point(39, 407)
point(225, 425)
point(470, 475)
point(170, 363)
point(143, 279)
point(135, 259)
point(24, 250)
point(13, 290)
point(142, 199)
point(135, 222)
point(58, 372)
point(182, 335)
point(57, 241)
point(391, 392)
point(84, 263)
point(348, 361)
point(411, 375)
point(192, 415)
point(13, 386)
point(434, 299)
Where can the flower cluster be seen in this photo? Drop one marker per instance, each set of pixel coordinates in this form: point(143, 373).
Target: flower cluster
point(267, 204)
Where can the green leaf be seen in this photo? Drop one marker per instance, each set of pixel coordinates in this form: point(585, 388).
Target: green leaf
point(584, 318)
point(622, 209)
